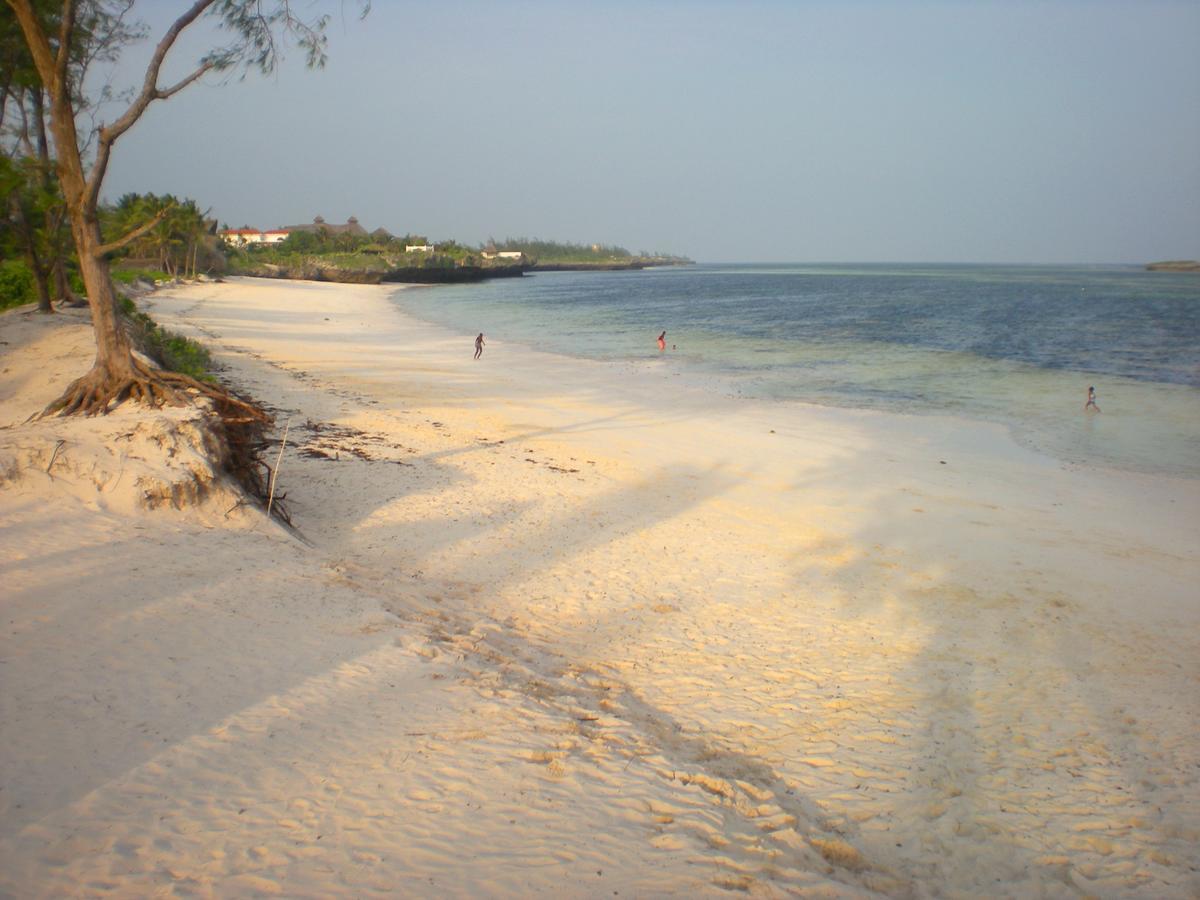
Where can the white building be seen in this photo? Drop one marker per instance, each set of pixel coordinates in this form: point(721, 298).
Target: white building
point(246, 235)
point(241, 236)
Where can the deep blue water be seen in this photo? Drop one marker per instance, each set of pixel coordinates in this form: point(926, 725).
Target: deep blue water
point(1011, 344)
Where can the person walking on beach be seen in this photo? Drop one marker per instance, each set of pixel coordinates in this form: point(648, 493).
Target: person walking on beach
point(662, 342)
point(1091, 400)
point(479, 342)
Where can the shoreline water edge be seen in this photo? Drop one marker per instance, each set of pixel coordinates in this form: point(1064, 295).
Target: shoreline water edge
point(1011, 345)
point(583, 627)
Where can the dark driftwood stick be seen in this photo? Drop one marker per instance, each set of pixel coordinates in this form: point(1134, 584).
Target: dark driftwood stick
point(53, 457)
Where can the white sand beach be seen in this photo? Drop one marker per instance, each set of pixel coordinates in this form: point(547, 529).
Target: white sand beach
point(560, 628)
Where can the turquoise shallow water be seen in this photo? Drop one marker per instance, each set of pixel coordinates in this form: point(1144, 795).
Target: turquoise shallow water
point(1007, 344)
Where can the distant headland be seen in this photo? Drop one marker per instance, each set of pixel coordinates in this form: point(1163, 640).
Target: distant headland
point(323, 251)
point(1174, 265)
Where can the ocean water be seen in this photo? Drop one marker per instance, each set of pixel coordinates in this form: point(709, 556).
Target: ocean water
point(1014, 345)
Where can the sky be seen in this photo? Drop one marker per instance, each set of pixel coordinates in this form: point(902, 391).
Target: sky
point(1007, 132)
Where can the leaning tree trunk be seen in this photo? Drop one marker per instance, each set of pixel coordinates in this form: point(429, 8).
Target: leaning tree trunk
point(41, 283)
point(62, 284)
point(113, 370)
point(33, 258)
point(42, 274)
point(37, 269)
point(115, 375)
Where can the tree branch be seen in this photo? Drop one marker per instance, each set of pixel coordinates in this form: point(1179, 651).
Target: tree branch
point(132, 236)
point(36, 40)
point(150, 85)
point(65, 30)
point(176, 88)
point(148, 94)
point(22, 134)
point(39, 119)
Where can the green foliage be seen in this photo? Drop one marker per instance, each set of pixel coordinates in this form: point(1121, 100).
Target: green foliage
point(177, 235)
point(172, 351)
point(369, 253)
point(130, 275)
point(364, 261)
point(181, 354)
point(30, 213)
point(263, 30)
point(16, 284)
point(556, 251)
point(33, 211)
point(297, 242)
point(583, 255)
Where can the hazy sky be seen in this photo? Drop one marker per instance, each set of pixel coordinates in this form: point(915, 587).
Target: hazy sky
point(728, 131)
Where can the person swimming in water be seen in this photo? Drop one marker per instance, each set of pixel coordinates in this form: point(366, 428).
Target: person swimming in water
point(1091, 400)
point(662, 341)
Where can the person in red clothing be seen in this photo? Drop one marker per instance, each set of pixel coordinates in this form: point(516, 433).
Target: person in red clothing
point(662, 342)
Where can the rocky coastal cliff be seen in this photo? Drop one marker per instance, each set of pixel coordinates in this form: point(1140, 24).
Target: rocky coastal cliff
point(312, 271)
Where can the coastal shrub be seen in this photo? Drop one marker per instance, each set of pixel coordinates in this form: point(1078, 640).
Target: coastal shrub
point(353, 261)
point(129, 276)
point(301, 242)
point(181, 354)
point(560, 251)
point(172, 351)
point(16, 284)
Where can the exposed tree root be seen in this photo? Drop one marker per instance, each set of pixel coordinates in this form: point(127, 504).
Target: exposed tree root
point(97, 391)
point(241, 424)
point(244, 426)
point(71, 300)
